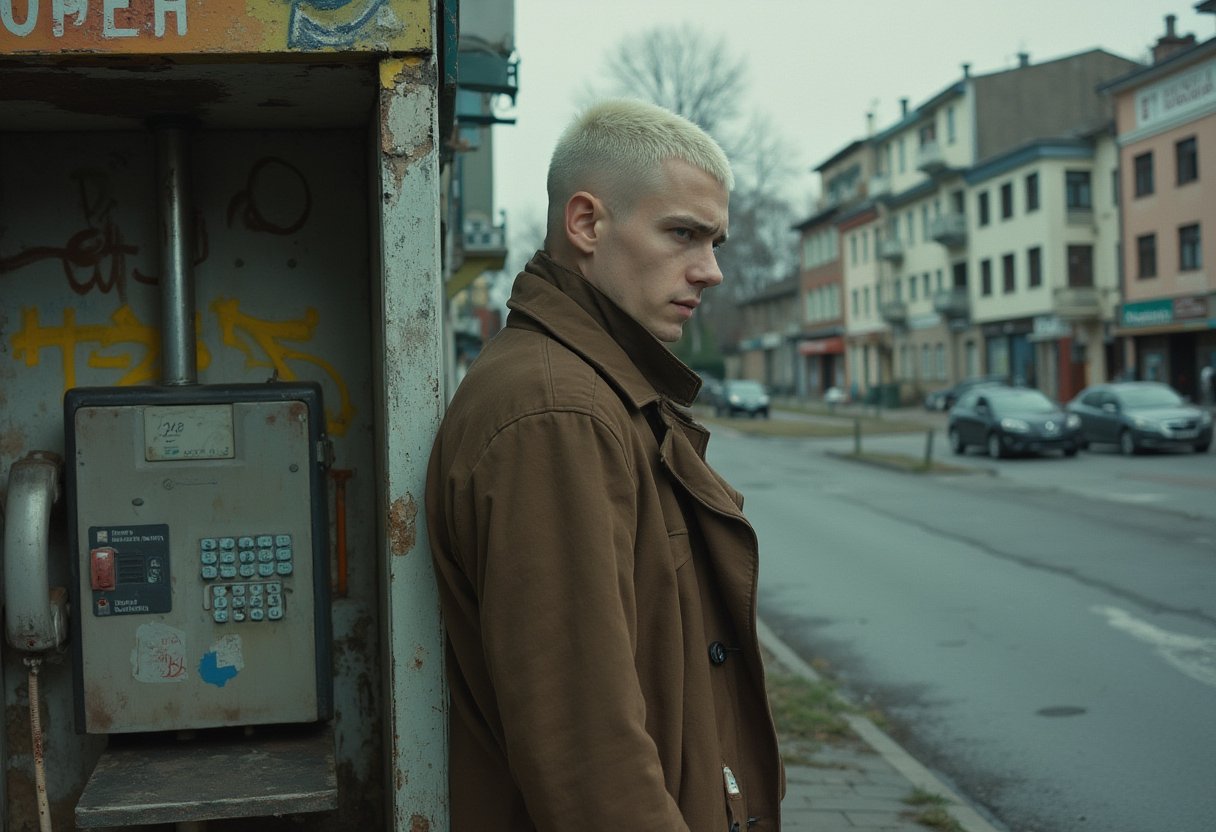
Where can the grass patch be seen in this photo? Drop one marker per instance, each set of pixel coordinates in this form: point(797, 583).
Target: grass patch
point(820, 426)
point(808, 710)
point(931, 811)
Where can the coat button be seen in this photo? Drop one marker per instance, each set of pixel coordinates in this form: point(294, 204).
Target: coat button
point(717, 652)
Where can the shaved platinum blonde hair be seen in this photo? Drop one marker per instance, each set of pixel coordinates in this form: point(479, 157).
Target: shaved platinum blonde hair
point(615, 151)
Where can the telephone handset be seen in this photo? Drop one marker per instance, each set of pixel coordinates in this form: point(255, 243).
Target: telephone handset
point(35, 614)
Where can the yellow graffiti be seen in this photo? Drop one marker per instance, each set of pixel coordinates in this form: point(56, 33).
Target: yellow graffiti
point(125, 330)
point(256, 338)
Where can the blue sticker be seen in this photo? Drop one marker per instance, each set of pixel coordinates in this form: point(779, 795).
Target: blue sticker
point(211, 673)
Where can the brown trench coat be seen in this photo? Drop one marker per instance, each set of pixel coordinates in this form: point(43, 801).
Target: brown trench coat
point(598, 584)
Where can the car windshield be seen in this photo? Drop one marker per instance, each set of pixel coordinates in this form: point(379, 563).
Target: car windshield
point(753, 388)
point(1136, 397)
point(1023, 401)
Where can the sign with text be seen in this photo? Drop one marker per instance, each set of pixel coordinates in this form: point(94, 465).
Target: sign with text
point(1178, 96)
point(49, 27)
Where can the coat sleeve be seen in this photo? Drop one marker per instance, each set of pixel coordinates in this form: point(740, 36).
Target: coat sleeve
point(548, 541)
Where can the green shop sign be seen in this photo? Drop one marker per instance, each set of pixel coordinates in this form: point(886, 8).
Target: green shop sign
point(1148, 313)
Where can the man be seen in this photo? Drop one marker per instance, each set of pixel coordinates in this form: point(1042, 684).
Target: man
point(597, 578)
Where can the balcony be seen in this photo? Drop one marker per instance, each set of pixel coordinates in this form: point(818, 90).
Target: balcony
point(929, 158)
point(949, 229)
point(891, 249)
point(880, 186)
point(952, 304)
point(894, 312)
point(1078, 303)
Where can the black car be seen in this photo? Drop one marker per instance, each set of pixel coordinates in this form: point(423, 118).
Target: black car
point(1012, 420)
point(1136, 415)
point(945, 399)
point(743, 396)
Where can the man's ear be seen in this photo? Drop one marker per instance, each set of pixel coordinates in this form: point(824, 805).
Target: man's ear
point(583, 221)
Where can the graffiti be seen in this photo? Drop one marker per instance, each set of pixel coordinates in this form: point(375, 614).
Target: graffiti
point(272, 178)
point(100, 243)
point(260, 341)
point(124, 330)
point(328, 24)
point(114, 14)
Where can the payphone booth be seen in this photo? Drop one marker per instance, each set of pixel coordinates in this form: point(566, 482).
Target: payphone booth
point(220, 340)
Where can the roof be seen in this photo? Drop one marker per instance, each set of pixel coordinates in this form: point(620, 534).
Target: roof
point(1139, 77)
point(840, 154)
point(816, 219)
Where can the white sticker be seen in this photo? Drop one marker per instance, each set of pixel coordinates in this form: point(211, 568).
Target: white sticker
point(159, 654)
point(228, 652)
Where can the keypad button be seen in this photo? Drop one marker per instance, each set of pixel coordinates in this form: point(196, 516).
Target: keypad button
point(266, 569)
point(274, 613)
point(238, 615)
point(220, 616)
point(238, 602)
point(208, 544)
point(282, 540)
point(227, 543)
point(282, 553)
point(227, 572)
point(283, 568)
point(255, 589)
point(265, 540)
point(265, 555)
point(219, 591)
point(238, 589)
point(245, 542)
point(257, 615)
point(247, 570)
point(209, 557)
point(274, 600)
point(274, 587)
point(247, 556)
point(227, 557)
point(209, 573)
point(220, 603)
point(256, 601)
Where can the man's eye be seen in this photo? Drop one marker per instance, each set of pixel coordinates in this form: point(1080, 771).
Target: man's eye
point(682, 233)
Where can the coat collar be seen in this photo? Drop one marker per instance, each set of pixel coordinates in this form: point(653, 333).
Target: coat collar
point(575, 313)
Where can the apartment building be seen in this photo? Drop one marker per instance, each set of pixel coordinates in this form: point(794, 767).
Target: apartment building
point(1166, 122)
point(945, 222)
point(768, 350)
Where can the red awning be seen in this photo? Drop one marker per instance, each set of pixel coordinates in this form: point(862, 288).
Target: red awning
point(821, 346)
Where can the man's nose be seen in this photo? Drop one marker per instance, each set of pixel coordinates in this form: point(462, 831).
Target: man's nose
point(705, 271)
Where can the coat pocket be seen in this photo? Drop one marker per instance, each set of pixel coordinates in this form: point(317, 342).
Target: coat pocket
point(680, 547)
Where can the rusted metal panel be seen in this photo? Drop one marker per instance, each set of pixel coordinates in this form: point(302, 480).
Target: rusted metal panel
point(168, 781)
point(410, 326)
point(194, 27)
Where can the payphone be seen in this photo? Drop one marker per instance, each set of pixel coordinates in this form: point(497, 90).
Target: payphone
point(198, 527)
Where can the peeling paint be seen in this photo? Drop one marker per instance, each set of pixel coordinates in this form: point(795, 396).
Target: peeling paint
point(420, 823)
point(402, 525)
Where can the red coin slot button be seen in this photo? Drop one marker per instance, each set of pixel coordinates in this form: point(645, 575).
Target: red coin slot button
point(101, 567)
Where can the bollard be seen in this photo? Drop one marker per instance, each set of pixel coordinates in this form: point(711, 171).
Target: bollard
point(929, 448)
point(856, 437)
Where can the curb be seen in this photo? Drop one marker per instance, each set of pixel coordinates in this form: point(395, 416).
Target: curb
point(899, 759)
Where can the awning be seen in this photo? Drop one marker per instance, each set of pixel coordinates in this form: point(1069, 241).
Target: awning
point(821, 346)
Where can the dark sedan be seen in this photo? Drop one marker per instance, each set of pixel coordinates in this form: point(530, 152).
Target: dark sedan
point(1011, 420)
point(945, 399)
point(1136, 415)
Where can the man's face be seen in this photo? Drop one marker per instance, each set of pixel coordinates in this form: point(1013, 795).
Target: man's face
point(655, 257)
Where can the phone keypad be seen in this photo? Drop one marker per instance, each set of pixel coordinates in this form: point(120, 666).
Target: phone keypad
point(242, 576)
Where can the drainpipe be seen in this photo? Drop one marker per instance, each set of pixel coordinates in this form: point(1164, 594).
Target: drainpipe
point(179, 353)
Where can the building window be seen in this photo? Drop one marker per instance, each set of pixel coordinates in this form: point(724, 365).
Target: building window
point(951, 133)
point(924, 223)
point(911, 228)
point(939, 280)
point(1114, 186)
point(853, 249)
point(1186, 154)
point(1007, 273)
point(926, 368)
point(912, 287)
point(983, 207)
point(1007, 200)
point(1143, 165)
point(1078, 195)
point(865, 246)
point(1034, 267)
point(986, 277)
point(1032, 192)
point(899, 290)
point(856, 307)
point(925, 283)
point(1190, 257)
point(958, 275)
point(1080, 266)
point(1146, 256)
point(941, 360)
point(903, 155)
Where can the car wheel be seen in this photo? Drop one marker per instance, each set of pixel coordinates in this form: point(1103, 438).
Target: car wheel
point(764, 413)
point(1127, 443)
point(956, 442)
point(995, 449)
point(1070, 451)
point(1202, 448)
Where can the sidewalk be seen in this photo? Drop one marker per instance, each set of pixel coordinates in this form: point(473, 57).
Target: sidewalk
point(858, 787)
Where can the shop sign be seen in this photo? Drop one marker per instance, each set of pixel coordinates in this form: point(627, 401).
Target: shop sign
point(821, 346)
point(221, 26)
point(1190, 307)
point(1050, 327)
point(1148, 313)
point(1176, 97)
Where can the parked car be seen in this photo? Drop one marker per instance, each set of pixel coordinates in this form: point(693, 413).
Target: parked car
point(710, 393)
point(1011, 420)
point(945, 399)
point(743, 396)
point(1136, 415)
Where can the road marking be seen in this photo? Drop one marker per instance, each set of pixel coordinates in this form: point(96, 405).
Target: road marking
point(1196, 657)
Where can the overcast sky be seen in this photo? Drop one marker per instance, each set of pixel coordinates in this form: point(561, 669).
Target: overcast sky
point(815, 66)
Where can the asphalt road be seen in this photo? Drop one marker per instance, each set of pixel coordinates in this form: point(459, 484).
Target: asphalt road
point(1045, 637)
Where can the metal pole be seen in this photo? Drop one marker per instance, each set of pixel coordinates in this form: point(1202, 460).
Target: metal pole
point(857, 437)
point(179, 355)
point(929, 448)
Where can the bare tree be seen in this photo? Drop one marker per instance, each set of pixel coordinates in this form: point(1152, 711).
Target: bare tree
point(682, 69)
